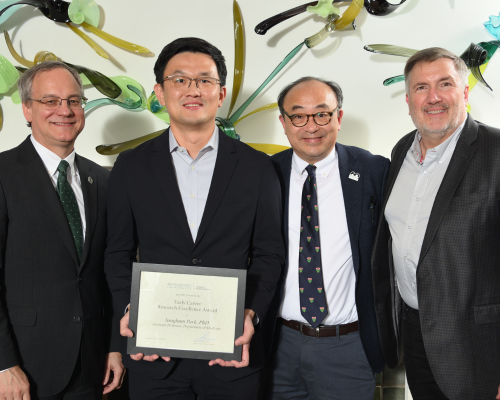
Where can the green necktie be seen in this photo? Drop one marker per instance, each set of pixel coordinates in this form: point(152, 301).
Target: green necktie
point(70, 206)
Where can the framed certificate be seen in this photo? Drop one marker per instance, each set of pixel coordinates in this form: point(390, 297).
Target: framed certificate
point(186, 311)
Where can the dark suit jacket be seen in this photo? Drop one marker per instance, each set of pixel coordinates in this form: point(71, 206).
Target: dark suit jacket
point(458, 274)
point(50, 304)
point(241, 221)
point(361, 223)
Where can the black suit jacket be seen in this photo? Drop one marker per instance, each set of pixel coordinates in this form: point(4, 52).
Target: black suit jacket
point(458, 274)
point(51, 304)
point(241, 221)
point(361, 223)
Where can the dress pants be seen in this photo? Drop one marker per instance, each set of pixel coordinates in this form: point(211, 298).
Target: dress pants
point(421, 381)
point(191, 380)
point(310, 368)
point(76, 389)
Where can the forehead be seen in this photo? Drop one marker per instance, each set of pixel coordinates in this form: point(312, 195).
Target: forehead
point(191, 63)
point(434, 70)
point(58, 81)
point(310, 94)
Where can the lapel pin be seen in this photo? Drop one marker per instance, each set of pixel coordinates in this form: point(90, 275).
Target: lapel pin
point(354, 176)
point(92, 181)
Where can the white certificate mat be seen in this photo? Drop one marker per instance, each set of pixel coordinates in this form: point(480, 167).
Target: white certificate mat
point(185, 311)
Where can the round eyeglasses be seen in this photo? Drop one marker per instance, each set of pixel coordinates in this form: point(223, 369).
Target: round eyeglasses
point(53, 103)
point(182, 83)
point(320, 118)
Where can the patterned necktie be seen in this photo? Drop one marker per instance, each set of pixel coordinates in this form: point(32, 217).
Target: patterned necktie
point(312, 296)
point(70, 206)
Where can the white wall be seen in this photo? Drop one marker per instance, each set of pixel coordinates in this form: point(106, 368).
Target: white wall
point(375, 117)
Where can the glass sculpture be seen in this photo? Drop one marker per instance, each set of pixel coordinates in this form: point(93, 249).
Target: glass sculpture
point(58, 11)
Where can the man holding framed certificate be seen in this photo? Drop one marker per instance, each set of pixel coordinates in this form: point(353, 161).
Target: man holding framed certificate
point(193, 197)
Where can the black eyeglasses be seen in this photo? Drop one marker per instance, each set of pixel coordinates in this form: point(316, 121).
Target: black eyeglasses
point(182, 83)
point(54, 103)
point(320, 118)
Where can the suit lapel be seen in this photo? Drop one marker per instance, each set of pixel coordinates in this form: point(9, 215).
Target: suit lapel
point(89, 189)
point(285, 171)
point(227, 158)
point(352, 191)
point(458, 165)
point(39, 181)
point(163, 169)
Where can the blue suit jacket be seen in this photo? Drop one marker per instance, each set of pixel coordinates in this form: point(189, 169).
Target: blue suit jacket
point(361, 223)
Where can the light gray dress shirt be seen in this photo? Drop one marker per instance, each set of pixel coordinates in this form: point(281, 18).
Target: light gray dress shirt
point(194, 177)
point(410, 205)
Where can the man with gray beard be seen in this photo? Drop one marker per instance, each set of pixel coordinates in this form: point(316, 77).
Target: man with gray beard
point(436, 253)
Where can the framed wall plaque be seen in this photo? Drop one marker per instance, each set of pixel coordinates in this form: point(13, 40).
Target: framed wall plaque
point(186, 312)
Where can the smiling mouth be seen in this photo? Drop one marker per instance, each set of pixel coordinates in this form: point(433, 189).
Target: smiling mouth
point(193, 105)
point(435, 111)
point(63, 123)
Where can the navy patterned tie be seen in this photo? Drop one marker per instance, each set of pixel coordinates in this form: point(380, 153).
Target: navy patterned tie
point(312, 295)
point(70, 206)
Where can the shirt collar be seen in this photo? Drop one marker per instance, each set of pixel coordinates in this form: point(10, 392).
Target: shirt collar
point(52, 160)
point(211, 145)
point(323, 167)
point(439, 150)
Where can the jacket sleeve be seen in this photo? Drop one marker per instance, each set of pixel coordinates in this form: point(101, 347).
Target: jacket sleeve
point(121, 249)
point(9, 354)
point(267, 252)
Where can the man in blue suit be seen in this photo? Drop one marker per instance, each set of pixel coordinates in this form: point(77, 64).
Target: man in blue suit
point(326, 343)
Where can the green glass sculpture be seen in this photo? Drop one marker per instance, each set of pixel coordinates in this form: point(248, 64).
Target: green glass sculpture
point(493, 26)
point(7, 14)
point(128, 103)
point(84, 10)
point(8, 75)
point(57, 10)
point(239, 55)
point(394, 79)
point(112, 149)
point(157, 109)
point(390, 50)
point(324, 8)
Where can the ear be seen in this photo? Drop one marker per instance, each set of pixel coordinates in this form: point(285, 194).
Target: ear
point(339, 117)
point(222, 95)
point(282, 120)
point(408, 102)
point(466, 94)
point(27, 112)
point(158, 88)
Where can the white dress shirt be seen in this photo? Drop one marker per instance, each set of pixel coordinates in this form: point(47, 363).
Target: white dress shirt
point(409, 208)
point(194, 177)
point(336, 256)
point(51, 162)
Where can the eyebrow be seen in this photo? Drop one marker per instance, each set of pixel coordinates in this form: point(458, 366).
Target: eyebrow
point(180, 72)
point(446, 78)
point(56, 95)
point(298, 107)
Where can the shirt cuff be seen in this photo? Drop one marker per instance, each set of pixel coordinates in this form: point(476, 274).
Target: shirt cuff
point(5, 370)
point(255, 319)
point(126, 309)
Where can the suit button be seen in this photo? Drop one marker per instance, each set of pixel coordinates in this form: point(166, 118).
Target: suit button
point(195, 261)
point(76, 319)
point(80, 279)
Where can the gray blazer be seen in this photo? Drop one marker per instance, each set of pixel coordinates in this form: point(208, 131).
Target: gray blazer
point(458, 273)
point(51, 305)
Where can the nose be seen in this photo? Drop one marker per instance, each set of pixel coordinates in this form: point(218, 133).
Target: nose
point(193, 90)
point(64, 108)
point(433, 95)
point(311, 125)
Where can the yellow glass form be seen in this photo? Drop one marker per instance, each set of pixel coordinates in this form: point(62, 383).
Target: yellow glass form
point(98, 49)
point(14, 53)
point(116, 41)
point(239, 55)
point(268, 148)
point(112, 149)
point(269, 106)
point(336, 23)
point(472, 80)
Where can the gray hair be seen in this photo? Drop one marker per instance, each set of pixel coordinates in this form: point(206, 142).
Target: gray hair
point(334, 86)
point(432, 54)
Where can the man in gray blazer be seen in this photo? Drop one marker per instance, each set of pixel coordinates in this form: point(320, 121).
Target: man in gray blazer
point(55, 339)
point(436, 257)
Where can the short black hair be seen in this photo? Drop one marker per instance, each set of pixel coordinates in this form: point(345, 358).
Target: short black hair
point(333, 85)
point(190, 45)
